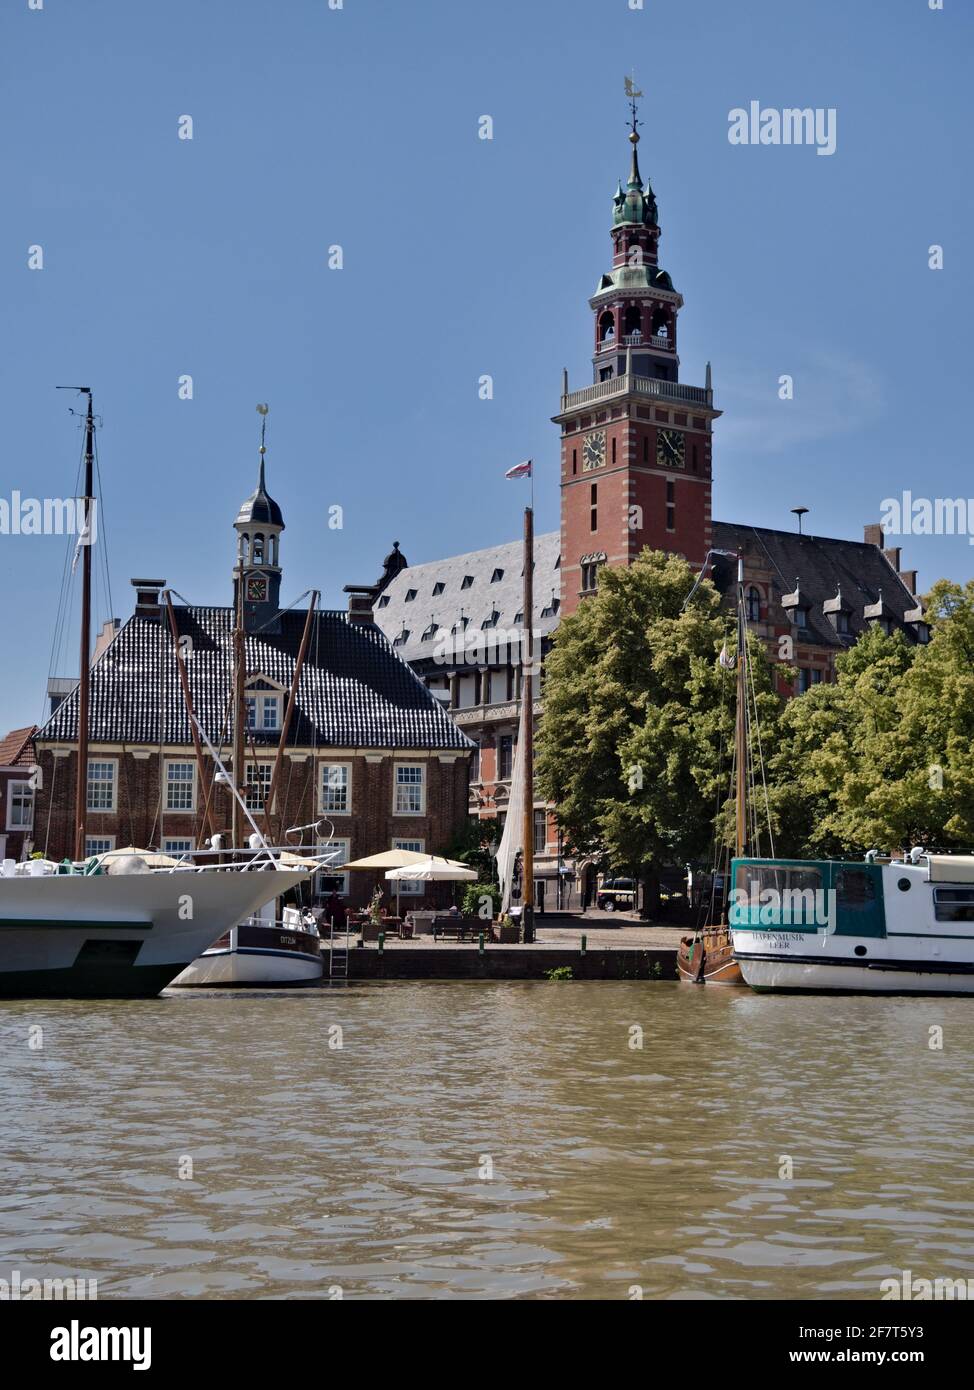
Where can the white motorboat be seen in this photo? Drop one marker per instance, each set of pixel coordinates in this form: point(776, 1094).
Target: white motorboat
point(120, 934)
point(905, 926)
point(260, 951)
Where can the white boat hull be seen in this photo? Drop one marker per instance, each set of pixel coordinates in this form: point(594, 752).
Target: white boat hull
point(119, 936)
point(879, 978)
point(250, 966)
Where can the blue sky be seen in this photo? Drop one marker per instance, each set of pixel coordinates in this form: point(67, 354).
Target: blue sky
point(358, 127)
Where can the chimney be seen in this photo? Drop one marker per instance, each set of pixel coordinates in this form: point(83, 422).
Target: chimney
point(147, 603)
point(894, 555)
point(909, 578)
point(873, 535)
point(360, 600)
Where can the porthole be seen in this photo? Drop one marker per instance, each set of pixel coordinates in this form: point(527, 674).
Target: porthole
point(860, 950)
point(903, 885)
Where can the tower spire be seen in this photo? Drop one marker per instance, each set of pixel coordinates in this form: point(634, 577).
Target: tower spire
point(262, 412)
point(635, 180)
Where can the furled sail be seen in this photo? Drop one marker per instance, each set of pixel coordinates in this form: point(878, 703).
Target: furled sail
point(513, 837)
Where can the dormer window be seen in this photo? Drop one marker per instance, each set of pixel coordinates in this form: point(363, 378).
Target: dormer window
point(800, 618)
point(491, 621)
point(497, 576)
point(384, 601)
point(410, 595)
point(550, 609)
point(467, 581)
point(438, 588)
point(430, 633)
point(263, 712)
point(842, 624)
point(460, 625)
point(402, 638)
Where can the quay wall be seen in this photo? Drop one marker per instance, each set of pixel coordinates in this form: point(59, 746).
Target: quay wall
point(499, 963)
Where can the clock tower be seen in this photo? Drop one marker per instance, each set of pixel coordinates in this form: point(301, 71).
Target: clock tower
point(258, 526)
point(636, 444)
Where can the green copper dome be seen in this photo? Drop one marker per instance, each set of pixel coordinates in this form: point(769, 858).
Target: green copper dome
point(637, 205)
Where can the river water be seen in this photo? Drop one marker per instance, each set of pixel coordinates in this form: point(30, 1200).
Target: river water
point(484, 1139)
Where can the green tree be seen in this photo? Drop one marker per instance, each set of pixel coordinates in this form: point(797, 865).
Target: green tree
point(883, 758)
point(637, 734)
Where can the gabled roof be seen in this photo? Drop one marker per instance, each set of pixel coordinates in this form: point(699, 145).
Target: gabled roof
point(821, 565)
point(479, 599)
point(354, 691)
point(17, 747)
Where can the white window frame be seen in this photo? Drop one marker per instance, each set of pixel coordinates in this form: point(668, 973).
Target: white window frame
point(27, 792)
point(323, 806)
point(187, 843)
point(102, 762)
point(107, 840)
point(261, 783)
point(181, 782)
point(345, 844)
point(405, 887)
point(257, 703)
point(396, 785)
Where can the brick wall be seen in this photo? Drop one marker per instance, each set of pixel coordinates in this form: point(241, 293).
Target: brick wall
point(371, 825)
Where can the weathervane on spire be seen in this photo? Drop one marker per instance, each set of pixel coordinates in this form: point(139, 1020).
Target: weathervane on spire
point(633, 95)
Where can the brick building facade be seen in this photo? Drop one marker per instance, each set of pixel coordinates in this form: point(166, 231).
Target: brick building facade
point(372, 760)
point(17, 781)
point(636, 465)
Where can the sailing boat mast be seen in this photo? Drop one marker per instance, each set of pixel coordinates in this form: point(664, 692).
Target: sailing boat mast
point(85, 533)
point(740, 732)
point(527, 732)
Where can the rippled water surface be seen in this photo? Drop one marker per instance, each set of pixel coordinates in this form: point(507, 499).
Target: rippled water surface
point(316, 1168)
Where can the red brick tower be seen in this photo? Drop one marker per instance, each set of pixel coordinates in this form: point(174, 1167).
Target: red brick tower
point(636, 445)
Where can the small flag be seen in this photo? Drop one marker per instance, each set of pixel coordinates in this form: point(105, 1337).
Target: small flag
point(727, 659)
point(522, 470)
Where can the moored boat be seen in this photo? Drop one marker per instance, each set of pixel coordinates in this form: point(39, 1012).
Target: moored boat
point(260, 951)
point(707, 957)
point(905, 926)
point(119, 934)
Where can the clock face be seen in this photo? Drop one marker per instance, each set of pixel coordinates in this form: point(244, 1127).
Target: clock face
point(671, 449)
point(257, 589)
point(593, 450)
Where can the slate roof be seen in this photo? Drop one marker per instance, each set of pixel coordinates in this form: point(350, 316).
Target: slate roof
point(354, 691)
point(260, 509)
point(478, 601)
point(17, 747)
point(820, 565)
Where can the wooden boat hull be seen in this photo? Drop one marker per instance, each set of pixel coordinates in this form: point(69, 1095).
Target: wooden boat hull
point(708, 958)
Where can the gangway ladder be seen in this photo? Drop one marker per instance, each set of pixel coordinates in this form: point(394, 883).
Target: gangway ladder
point(338, 954)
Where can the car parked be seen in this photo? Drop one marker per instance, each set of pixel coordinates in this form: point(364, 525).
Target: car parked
point(617, 895)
